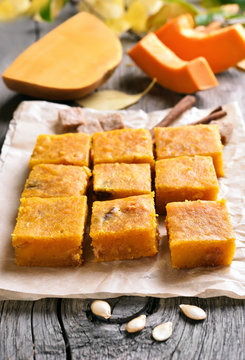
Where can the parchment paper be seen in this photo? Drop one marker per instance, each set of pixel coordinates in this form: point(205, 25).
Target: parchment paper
point(144, 277)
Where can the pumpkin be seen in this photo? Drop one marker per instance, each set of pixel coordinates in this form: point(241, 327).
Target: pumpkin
point(67, 63)
point(159, 62)
point(222, 48)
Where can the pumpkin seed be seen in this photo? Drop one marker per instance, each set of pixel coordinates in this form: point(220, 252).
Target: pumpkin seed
point(101, 308)
point(163, 331)
point(193, 312)
point(136, 324)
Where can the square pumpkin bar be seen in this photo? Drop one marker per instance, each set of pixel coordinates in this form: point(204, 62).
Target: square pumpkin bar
point(123, 146)
point(190, 140)
point(200, 234)
point(66, 149)
point(124, 228)
point(118, 180)
point(185, 178)
point(49, 180)
point(50, 231)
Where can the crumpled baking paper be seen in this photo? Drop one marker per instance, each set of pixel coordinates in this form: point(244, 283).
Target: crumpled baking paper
point(144, 277)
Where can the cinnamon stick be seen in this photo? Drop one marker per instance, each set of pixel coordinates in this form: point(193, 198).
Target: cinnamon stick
point(213, 115)
point(218, 108)
point(184, 104)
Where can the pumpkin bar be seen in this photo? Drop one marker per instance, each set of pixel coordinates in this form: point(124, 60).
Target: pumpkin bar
point(200, 234)
point(123, 146)
point(124, 228)
point(118, 180)
point(185, 178)
point(190, 140)
point(49, 180)
point(66, 149)
point(49, 231)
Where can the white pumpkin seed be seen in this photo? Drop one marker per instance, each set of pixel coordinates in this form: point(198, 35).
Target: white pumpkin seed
point(136, 324)
point(101, 308)
point(193, 312)
point(163, 331)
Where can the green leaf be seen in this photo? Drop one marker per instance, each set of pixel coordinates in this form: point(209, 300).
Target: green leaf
point(112, 99)
point(45, 12)
point(51, 9)
point(217, 3)
point(210, 3)
point(220, 13)
point(204, 19)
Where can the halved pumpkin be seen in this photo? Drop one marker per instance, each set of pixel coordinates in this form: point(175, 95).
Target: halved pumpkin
point(67, 63)
point(159, 62)
point(222, 48)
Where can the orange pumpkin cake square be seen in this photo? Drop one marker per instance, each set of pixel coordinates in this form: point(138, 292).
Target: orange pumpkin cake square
point(50, 231)
point(118, 180)
point(123, 145)
point(190, 140)
point(49, 180)
point(185, 178)
point(66, 149)
point(124, 228)
point(200, 234)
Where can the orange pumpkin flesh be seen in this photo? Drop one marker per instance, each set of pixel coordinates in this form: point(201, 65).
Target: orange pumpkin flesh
point(222, 48)
point(68, 63)
point(159, 62)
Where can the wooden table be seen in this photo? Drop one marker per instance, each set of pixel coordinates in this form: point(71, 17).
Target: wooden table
point(65, 328)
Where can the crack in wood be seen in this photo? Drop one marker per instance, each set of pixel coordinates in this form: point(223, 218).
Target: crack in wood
point(151, 306)
point(32, 332)
point(2, 308)
point(64, 334)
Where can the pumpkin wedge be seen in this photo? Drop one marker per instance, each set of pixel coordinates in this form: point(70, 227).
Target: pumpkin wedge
point(159, 62)
point(222, 48)
point(67, 63)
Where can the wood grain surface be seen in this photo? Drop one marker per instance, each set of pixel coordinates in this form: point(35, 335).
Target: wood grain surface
point(66, 328)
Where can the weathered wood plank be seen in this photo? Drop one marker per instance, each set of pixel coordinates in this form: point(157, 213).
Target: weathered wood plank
point(31, 330)
point(89, 336)
point(231, 88)
point(47, 333)
point(225, 334)
point(220, 336)
point(14, 38)
point(16, 341)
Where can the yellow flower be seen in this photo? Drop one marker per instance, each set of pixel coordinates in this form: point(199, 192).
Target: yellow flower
point(10, 9)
